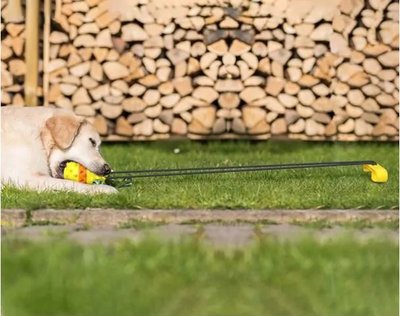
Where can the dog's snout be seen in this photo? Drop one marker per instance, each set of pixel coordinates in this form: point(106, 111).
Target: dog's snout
point(106, 169)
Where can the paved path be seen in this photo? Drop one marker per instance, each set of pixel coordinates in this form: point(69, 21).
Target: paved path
point(219, 235)
point(116, 218)
point(219, 228)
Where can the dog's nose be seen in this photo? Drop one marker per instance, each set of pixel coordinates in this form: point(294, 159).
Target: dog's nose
point(106, 169)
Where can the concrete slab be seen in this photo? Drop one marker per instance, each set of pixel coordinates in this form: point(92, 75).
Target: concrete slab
point(115, 218)
point(13, 218)
point(229, 235)
point(172, 232)
point(104, 236)
point(39, 233)
point(285, 232)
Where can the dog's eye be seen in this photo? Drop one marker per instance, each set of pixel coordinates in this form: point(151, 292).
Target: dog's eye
point(93, 142)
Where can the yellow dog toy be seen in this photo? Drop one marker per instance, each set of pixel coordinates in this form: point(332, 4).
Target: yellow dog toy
point(76, 172)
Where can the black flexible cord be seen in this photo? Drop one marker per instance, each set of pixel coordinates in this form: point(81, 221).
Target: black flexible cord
point(130, 174)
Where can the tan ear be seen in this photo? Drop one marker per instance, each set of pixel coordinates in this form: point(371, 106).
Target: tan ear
point(63, 129)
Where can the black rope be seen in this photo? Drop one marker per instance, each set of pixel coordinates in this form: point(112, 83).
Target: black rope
point(130, 174)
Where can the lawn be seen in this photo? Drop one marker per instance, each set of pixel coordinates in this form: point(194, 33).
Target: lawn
point(340, 277)
point(344, 187)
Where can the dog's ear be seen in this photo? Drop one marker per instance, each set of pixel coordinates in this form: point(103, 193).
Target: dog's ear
point(63, 129)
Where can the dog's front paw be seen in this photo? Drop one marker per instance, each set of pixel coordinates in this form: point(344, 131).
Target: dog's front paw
point(103, 188)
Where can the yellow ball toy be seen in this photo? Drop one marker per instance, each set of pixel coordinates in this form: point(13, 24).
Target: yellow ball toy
point(76, 172)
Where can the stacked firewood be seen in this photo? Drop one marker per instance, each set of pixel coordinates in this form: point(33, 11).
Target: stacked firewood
point(149, 69)
point(12, 56)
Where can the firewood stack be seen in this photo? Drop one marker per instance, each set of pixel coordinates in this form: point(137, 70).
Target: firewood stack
point(12, 56)
point(151, 69)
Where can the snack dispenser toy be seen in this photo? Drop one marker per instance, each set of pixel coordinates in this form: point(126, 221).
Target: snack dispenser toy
point(76, 172)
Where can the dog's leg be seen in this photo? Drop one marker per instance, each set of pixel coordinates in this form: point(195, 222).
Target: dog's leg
point(43, 183)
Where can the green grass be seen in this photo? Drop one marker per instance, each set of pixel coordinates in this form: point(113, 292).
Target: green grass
point(346, 187)
point(336, 278)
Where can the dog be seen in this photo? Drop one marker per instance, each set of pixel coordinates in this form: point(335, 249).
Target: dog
point(37, 143)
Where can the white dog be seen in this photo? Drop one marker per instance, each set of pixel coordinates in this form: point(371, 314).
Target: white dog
point(37, 142)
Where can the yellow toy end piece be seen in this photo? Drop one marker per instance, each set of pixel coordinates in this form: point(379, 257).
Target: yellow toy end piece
point(76, 172)
point(378, 173)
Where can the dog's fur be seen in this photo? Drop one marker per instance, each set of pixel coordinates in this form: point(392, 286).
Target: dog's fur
point(36, 142)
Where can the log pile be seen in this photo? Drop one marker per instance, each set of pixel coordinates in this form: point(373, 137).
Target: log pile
point(152, 69)
point(12, 56)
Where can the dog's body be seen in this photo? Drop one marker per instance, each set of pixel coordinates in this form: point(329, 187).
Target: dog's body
point(37, 143)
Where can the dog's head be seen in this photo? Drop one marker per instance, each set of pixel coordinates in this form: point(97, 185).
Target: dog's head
point(67, 138)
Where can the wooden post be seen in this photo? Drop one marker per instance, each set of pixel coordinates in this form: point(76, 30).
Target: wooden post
point(46, 50)
point(31, 52)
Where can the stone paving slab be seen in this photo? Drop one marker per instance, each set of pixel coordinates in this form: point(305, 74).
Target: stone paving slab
point(115, 218)
point(229, 235)
point(38, 233)
point(173, 232)
point(218, 235)
point(287, 232)
point(13, 218)
point(220, 228)
point(105, 236)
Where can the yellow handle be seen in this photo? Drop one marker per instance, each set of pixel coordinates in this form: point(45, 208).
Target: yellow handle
point(378, 173)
